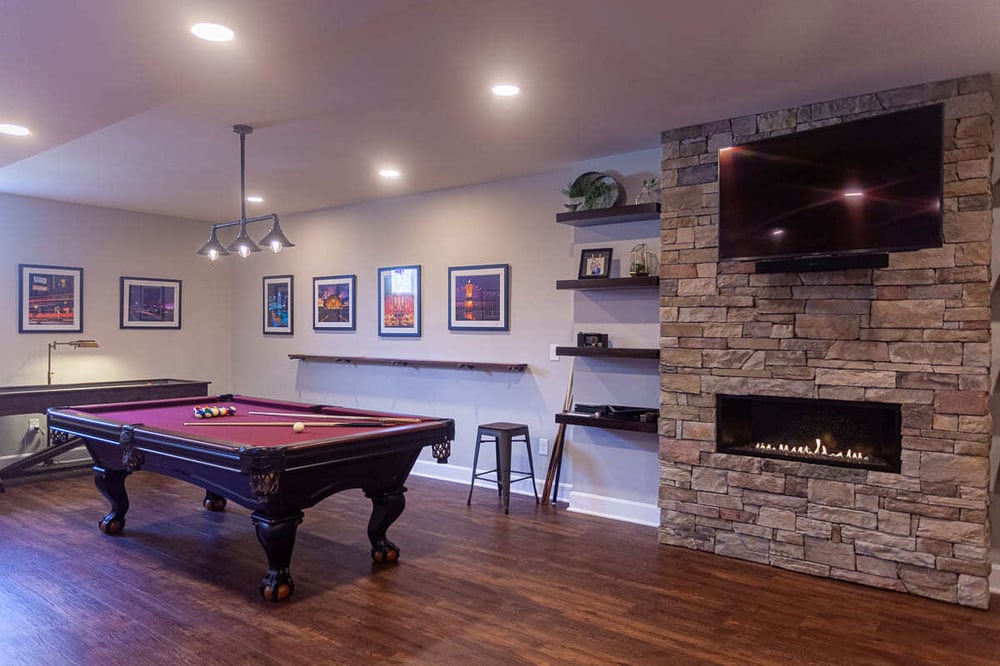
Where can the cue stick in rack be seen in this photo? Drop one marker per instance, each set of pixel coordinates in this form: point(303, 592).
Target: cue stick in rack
point(555, 462)
point(370, 419)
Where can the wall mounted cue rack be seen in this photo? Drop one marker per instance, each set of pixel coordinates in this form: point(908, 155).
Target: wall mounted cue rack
point(412, 363)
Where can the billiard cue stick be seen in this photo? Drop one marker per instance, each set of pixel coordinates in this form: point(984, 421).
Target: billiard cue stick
point(286, 424)
point(555, 462)
point(376, 419)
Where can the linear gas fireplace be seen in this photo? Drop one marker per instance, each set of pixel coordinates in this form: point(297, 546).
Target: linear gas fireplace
point(864, 435)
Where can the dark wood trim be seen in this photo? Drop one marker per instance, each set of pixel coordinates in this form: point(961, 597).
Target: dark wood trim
point(590, 421)
point(643, 282)
point(609, 352)
point(36, 399)
point(616, 215)
point(412, 363)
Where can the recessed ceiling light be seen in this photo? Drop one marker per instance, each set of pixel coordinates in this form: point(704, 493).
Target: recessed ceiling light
point(389, 174)
point(14, 130)
point(255, 199)
point(506, 90)
point(212, 32)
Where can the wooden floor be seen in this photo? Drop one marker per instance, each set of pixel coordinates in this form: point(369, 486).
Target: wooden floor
point(540, 586)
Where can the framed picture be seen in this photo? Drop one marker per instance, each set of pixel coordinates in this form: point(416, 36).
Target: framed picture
point(50, 299)
point(595, 263)
point(478, 298)
point(399, 301)
point(149, 303)
point(278, 305)
point(333, 302)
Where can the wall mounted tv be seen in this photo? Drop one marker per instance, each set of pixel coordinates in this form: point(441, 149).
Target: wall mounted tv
point(834, 197)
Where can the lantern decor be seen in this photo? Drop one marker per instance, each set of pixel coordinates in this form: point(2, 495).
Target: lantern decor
point(641, 261)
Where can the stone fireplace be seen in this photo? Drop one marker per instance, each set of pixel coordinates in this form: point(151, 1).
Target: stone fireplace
point(911, 338)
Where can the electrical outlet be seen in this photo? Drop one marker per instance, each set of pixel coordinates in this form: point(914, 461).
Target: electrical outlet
point(34, 424)
point(543, 446)
point(553, 356)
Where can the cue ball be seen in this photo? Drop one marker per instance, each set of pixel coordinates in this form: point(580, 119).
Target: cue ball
point(298, 426)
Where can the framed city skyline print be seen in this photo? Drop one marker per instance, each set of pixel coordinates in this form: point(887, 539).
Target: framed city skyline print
point(399, 301)
point(334, 307)
point(478, 298)
point(278, 305)
point(149, 303)
point(49, 299)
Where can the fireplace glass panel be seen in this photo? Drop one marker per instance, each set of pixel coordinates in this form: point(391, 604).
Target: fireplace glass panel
point(864, 435)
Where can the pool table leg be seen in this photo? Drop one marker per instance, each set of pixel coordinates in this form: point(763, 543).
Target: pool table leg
point(386, 508)
point(111, 484)
point(277, 536)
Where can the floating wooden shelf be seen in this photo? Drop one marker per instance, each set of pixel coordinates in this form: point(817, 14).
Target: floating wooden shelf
point(608, 352)
point(610, 283)
point(411, 363)
point(571, 418)
point(616, 215)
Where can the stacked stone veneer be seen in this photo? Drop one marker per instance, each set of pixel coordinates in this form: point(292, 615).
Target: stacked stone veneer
point(915, 333)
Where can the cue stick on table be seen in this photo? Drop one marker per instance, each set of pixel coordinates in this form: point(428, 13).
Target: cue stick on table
point(286, 424)
point(376, 419)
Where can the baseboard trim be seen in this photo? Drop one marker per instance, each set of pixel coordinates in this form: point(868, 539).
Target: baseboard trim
point(461, 475)
point(616, 509)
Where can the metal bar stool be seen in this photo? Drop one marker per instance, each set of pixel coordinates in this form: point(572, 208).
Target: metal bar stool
point(502, 435)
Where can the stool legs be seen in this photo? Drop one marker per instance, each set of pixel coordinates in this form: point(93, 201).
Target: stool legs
point(503, 470)
point(475, 464)
point(531, 467)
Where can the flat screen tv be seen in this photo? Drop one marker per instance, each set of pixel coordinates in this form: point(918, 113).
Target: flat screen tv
point(860, 187)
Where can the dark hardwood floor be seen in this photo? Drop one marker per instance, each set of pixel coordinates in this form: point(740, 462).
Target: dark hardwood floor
point(538, 586)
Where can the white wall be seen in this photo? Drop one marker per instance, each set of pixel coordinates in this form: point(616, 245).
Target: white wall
point(511, 222)
point(109, 244)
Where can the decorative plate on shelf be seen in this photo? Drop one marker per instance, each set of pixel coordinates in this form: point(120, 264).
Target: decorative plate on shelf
point(609, 192)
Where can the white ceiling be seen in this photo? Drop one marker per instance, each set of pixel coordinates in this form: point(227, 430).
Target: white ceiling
point(128, 110)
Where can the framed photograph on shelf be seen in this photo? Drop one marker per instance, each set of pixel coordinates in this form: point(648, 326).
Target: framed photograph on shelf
point(399, 301)
point(149, 303)
point(50, 299)
point(595, 263)
point(478, 298)
point(278, 305)
point(333, 302)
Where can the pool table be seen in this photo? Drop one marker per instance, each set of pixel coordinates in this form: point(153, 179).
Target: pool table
point(265, 461)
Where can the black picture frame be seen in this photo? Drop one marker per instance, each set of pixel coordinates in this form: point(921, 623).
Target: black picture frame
point(399, 313)
point(334, 303)
point(595, 263)
point(479, 298)
point(49, 299)
point(149, 303)
point(278, 299)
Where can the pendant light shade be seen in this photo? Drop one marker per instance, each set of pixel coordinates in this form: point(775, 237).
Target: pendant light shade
point(212, 248)
point(243, 245)
point(275, 240)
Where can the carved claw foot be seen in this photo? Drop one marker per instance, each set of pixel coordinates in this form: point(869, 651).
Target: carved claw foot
point(277, 586)
point(111, 524)
point(213, 502)
point(385, 551)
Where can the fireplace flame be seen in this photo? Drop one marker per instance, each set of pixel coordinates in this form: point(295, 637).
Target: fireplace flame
point(818, 450)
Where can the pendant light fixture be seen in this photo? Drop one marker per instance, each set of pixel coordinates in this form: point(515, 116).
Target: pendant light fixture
point(243, 245)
